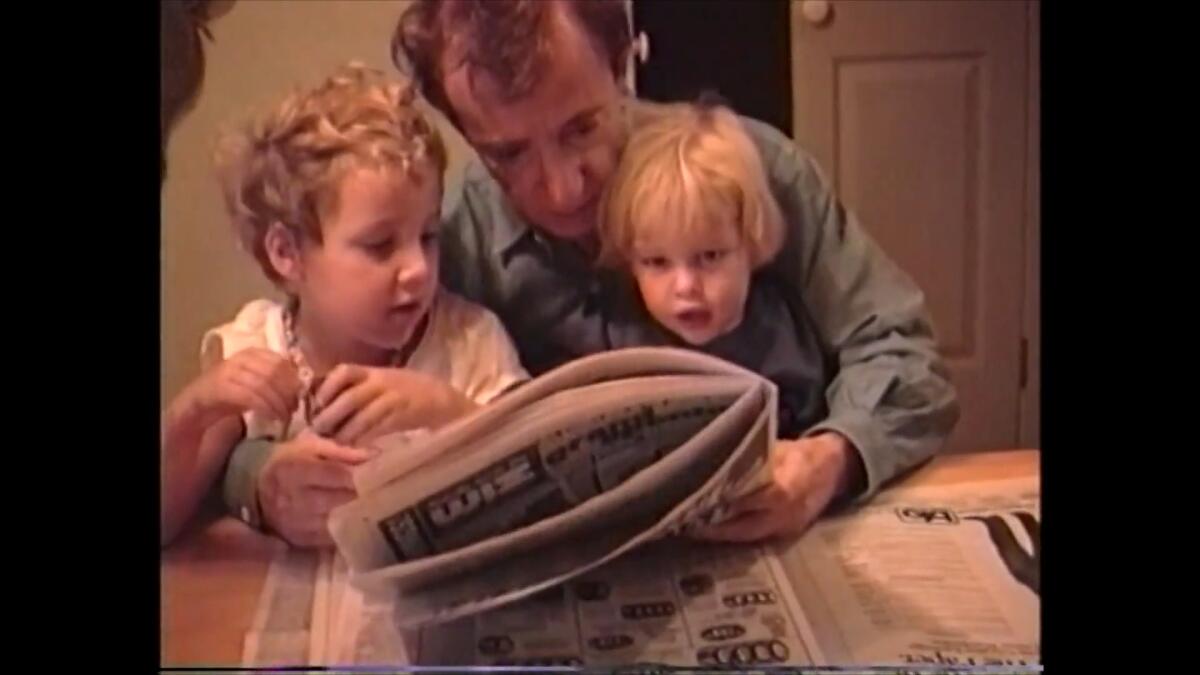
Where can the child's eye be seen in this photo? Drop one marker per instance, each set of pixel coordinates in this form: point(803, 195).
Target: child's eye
point(656, 262)
point(430, 238)
point(379, 248)
point(712, 256)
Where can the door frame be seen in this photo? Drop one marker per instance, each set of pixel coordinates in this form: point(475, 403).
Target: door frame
point(1029, 417)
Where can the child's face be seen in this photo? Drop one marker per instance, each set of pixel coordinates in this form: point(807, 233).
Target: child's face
point(694, 284)
point(373, 276)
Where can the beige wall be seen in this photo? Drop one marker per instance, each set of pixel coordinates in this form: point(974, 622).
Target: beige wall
point(262, 49)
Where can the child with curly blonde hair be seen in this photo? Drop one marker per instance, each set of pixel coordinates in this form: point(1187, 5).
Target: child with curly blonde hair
point(337, 196)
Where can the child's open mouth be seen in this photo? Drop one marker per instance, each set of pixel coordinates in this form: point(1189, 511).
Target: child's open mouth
point(405, 308)
point(694, 318)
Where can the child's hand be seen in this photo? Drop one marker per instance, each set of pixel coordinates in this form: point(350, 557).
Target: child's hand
point(252, 379)
point(359, 403)
point(808, 474)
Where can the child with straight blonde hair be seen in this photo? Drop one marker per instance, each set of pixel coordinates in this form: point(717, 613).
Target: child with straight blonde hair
point(690, 217)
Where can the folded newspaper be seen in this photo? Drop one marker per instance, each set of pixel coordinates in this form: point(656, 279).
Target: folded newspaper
point(569, 471)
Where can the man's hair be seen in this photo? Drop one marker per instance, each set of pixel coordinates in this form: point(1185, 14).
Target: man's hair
point(287, 167)
point(505, 39)
point(685, 168)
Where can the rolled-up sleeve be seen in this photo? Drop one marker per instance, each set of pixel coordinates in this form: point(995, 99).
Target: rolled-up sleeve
point(892, 396)
point(240, 487)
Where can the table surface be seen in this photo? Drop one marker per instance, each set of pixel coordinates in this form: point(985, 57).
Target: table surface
point(212, 575)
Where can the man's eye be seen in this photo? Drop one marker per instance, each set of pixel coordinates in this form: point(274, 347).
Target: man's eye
point(582, 128)
point(504, 155)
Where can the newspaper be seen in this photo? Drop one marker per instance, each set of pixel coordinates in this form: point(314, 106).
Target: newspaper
point(703, 605)
point(944, 575)
point(917, 576)
point(568, 472)
point(282, 627)
point(671, 602)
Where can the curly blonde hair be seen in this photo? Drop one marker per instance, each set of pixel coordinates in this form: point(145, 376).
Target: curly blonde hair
point(287, 166)
point(686, 167)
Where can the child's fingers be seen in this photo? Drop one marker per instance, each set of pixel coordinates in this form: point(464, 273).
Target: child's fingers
point(278, 374)
point(364, 421)
point(253, 382)
point(286, 380)
point(246, 397)
point(267, 364)
point(339, 379)
point(288, 393)
point(335, 414)
point(332, 452)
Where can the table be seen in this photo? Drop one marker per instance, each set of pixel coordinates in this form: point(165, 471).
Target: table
point(212, 575)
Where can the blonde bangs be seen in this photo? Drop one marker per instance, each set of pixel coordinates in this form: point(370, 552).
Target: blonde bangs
point(681, 203)
point(689, 172)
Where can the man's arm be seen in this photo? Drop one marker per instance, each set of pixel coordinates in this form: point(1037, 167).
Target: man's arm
point(288, 488)
point(892, 397)
point(240, 488)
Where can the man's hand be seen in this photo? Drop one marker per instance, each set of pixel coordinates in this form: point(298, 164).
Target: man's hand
point(304, 479)
point(807, 474)
point(359, 404)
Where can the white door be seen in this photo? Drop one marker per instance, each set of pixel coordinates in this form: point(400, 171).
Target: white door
point(918, 111)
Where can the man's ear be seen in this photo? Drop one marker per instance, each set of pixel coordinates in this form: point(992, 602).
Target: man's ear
point(625, 82)
point(638, 52)
point(283, 250)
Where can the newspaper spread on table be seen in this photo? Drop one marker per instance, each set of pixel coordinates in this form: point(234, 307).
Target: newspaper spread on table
point(931, 575)
point(945, 575)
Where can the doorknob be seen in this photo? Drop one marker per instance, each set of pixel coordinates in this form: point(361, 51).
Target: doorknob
point(815, 11)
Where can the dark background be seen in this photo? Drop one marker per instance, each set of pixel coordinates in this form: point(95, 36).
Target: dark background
point(740, 50)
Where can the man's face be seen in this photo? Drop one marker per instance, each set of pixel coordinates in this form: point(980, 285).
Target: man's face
point(554, 149)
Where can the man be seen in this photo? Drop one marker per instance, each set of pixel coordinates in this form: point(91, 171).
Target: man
point(536, 87)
